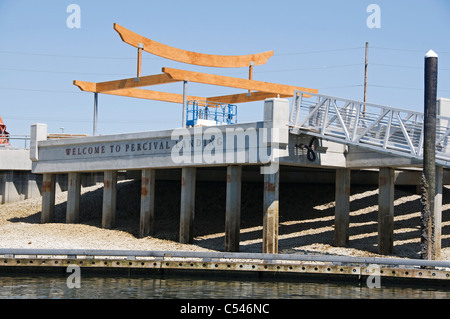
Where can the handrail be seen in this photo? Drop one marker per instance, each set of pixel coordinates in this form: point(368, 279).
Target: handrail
point(381, 128)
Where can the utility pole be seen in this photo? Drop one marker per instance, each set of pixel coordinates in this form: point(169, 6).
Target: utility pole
point(366, 63)
point(430, 233)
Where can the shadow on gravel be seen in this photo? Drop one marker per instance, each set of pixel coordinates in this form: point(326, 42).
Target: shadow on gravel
point(306, 215)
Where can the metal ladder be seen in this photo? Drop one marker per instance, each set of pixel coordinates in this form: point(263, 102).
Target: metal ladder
point(379, 128)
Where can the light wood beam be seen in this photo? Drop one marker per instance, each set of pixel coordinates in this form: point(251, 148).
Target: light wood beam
point(233, 82)
point(243, 97)
point(86, 86)
point(148, 80)
point(138, 93)
point(153, 95)
point(202, 59)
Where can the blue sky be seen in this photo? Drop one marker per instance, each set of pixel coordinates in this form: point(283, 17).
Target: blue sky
point(317, 44)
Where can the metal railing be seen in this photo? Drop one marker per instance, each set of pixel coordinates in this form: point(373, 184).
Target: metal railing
point(220, 113)
point(380, 128)
point(6, 139)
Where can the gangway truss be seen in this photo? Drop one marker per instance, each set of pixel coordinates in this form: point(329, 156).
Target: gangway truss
point(379, 128)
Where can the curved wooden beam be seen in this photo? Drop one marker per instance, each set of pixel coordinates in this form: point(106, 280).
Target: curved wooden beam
point(179, 55)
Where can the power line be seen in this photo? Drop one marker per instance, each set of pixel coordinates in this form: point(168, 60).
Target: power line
point(38, 90)
point(153, 58)
point(402, 87)
point(319, 51)
point(62, 72)
point(405, 66)
point(408, 50)
point(74, 56)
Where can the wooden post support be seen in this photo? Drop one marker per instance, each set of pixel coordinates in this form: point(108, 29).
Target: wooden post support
point(187, 204)
point(386, 210)
point(428, 227)
point(147, 202)
point(270, 211)
point(342, 207)
point(233, 208)
point(73, 197)
point(139, 59)
point(48, 198)
point(109, 199)
point(250, 75)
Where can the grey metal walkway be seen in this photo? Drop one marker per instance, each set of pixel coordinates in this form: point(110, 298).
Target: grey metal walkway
point(379, 128)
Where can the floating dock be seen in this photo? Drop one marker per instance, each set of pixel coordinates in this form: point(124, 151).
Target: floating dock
point(295, 265)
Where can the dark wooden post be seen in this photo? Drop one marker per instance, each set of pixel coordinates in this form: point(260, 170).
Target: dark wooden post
point(428, 180)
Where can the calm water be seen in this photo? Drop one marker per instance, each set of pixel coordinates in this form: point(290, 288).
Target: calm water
point(46, 286)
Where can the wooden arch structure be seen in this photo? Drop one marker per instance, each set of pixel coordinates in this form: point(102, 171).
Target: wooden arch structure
point(133, 87)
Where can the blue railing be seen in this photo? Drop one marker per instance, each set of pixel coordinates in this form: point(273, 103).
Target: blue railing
point(207, 112)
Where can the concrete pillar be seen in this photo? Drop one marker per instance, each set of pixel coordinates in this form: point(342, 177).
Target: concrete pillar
point(73, 197)
point(438, 213)
point(233, 208)
point(13, 185)
point(38, 132)
point(270, 211)
point(386, 210)
point(2, 187)
point(147, 202)
point(342, 207)
point(48, 198)
point(32, 188)
point(109, 199)
point(187, 208)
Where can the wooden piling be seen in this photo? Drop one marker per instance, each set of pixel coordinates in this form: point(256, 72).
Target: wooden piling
point(270, 211)
point(73, 197)
point(147, 202)
point(386, 210)
point(233, 208)
point(187, 208)
point(109, 199)
point(342, 207)
point(428, 227)
point(48, 198)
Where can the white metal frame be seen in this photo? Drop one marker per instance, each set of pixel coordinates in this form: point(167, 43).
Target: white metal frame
point(376, 127)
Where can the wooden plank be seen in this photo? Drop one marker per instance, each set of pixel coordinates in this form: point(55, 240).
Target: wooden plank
point(233, 82)
point(243, 97)
point(153, 95)
point(148, 80)
point(138, 93)
point(86, 86)
point(202, 59)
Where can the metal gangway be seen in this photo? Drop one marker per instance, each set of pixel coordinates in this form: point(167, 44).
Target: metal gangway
point(379, 128)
